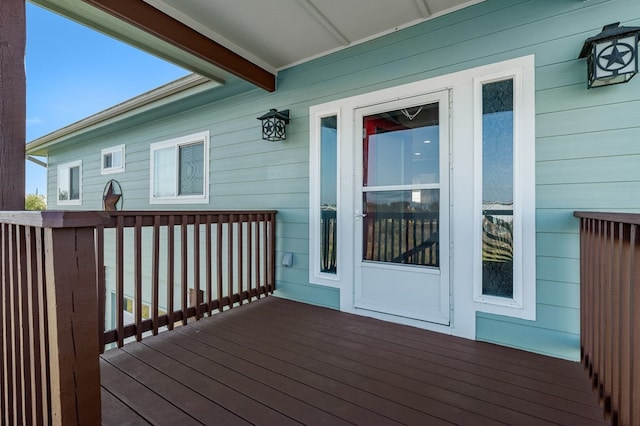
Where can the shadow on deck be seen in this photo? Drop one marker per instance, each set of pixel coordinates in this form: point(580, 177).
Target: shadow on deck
point(280, 362)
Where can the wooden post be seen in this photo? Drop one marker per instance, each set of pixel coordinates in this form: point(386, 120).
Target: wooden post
point(12, 104)
point(73, 326)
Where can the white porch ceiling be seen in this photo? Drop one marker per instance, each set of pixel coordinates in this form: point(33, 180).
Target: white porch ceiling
point(275, 34)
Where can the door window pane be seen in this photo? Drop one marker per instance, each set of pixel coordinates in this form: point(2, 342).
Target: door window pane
point(328, 194)
point(402, 227)
point(497, 188)
point(402, 147)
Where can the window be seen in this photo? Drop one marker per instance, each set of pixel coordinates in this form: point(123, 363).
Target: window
point(497, 188)
point(180, 170)
point(324, 197)
point(70, 183)
point(112, 160)
point(505, 193)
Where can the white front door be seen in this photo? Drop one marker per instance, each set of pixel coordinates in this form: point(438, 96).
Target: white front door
point(401, 220)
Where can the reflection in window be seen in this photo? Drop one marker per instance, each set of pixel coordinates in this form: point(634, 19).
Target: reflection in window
point(191, 171)
point(497, 188)
point(402, 147)
point(402, 227)
point(328, 194)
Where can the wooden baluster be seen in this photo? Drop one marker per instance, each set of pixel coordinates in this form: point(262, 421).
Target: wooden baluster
point(196, 264)
point(102, 289)
point(170, 271)
point(626, 385)
point(209, 265)
point(3, 332)
point(239, 260)
point(600, 305)
point(610, 313)
point(7, 349)
point(219, 262)
point(155, 276)
point(43, 329)
point(272, 251)
point(23, 330)
point(36, 355)
point(257, 257)
point(615, 324)
point(250, 255)
point(634, 336)
point(16, 361)
point(230, 228)
point(137, 256)
point(183, 268)
point(120, 280)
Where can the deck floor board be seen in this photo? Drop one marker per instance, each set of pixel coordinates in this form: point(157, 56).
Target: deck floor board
point(408, 372)
point(275, 361)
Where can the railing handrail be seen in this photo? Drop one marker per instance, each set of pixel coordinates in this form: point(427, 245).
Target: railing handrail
point(55, 219)
point(628, 218)
point(148, 216)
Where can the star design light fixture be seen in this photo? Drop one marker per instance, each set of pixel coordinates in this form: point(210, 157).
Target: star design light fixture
point(612, 55)
point(274, 125)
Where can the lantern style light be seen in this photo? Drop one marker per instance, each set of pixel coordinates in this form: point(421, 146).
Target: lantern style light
point(612, 55)
point(274, 125)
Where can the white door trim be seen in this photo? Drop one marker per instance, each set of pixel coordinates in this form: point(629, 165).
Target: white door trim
point(462, 228)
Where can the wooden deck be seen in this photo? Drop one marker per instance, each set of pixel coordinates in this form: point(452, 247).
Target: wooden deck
point(278, 362)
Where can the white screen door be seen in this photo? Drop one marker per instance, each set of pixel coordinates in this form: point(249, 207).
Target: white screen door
point(401, 221)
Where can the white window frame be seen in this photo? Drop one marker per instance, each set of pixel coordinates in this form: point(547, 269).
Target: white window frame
point(201, 137)
point(112, 150)
point(68, 166)
point(316, 276)
point(523, 303)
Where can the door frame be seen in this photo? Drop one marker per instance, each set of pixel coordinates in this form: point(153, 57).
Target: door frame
point(464, 109)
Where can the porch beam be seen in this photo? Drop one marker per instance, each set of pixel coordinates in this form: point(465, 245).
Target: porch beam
point(155, 22)
point(13, 109)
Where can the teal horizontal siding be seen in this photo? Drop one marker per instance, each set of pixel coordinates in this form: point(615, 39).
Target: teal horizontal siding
point(555, 343)
point(586, 142)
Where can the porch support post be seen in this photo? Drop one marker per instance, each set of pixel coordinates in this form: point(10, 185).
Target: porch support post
point(73, 326)
point(13, 108)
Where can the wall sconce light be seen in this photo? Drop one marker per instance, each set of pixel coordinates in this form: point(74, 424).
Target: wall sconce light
point(274, 125)
point(612, 55)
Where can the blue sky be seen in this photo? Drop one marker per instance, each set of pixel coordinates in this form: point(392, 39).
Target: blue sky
point(73, 72)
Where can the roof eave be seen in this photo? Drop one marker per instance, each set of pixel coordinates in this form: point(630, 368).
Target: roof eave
point(40, 146)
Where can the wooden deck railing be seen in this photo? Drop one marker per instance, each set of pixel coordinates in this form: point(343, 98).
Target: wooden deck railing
point(49, 372)
point(610, 310)
point(167, 267)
